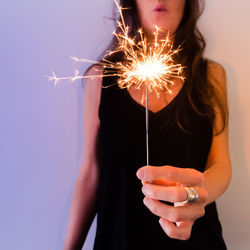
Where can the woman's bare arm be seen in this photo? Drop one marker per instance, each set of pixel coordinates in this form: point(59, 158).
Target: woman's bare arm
point(83, 206)
point(218, 170)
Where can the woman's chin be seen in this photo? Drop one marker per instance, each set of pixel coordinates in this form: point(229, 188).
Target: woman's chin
point(162, 31)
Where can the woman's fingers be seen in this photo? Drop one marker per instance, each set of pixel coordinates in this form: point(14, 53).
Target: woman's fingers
point(171, 193)
point(164, 193)
point(174, 214)
point(185, 176)
point(181, 231)
point(167, 183)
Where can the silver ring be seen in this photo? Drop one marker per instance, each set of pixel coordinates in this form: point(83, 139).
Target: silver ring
point(192, 196)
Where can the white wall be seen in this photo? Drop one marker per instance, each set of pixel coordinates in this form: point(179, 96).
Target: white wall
point(41, 126)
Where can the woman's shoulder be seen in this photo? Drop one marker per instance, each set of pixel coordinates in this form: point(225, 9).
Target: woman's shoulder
point(93, 74)
point(216, 73)
point(93, 70)
point(215, 68)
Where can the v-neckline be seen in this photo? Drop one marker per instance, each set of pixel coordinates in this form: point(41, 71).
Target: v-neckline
point(159, 111)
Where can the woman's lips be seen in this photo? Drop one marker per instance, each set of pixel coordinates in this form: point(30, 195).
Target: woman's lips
point(160, 8)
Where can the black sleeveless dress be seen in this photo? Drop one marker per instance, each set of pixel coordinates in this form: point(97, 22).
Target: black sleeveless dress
point(123, 221)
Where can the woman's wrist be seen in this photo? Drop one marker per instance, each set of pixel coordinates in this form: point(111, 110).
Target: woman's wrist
point(216, 181)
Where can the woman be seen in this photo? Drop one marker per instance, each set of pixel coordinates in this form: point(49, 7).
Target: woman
point(188, 147)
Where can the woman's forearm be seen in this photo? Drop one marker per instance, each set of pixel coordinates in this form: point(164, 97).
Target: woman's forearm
point(82, 213)
point(217, 179)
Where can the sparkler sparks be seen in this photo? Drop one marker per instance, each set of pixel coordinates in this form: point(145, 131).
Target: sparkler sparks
point(145, 63)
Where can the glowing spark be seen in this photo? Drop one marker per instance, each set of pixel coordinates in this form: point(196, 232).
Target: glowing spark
point(144, 62)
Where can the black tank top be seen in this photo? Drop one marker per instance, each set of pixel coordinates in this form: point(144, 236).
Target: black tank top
point(123, 221)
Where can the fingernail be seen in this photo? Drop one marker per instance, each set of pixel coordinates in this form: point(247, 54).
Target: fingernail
point(140, 174)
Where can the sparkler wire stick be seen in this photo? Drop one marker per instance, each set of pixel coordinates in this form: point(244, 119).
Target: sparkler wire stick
point(146, 96)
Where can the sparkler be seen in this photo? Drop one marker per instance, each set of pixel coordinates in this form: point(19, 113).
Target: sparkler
point(145, 63)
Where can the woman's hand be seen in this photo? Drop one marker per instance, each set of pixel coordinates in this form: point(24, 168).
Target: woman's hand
point(167, 183)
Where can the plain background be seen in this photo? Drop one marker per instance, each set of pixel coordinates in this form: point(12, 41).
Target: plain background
point(41, 125)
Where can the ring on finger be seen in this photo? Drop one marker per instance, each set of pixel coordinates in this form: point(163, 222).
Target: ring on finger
point(192, 196)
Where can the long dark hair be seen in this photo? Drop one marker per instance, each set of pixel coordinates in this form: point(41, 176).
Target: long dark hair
point(191, 56)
